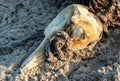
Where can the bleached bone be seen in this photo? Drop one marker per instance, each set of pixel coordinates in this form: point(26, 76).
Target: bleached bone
point(66, 16)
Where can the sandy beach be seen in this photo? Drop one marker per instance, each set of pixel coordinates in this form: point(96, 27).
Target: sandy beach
point(22, 23)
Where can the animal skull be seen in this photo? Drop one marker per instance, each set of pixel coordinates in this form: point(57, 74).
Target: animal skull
point(81, 26)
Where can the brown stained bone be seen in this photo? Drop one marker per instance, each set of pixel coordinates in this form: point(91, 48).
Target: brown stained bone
point(107, 10)
point(64, 47)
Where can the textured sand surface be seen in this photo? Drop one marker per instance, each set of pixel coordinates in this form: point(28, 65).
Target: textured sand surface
point(22, 23)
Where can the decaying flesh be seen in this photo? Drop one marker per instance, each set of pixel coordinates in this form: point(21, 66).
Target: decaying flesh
point(74, 29)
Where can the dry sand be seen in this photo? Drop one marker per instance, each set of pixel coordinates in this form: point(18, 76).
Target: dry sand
point(22, 23)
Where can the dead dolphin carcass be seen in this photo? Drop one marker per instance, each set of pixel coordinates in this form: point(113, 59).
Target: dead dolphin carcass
point(76, 25)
